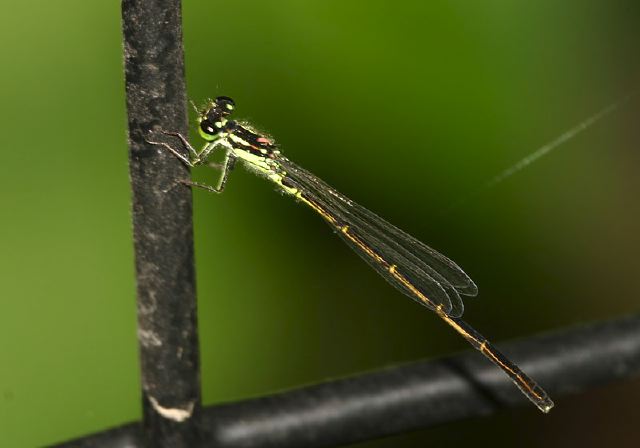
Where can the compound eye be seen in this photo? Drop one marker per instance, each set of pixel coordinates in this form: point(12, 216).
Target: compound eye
point(208, 127)
point(226, 104)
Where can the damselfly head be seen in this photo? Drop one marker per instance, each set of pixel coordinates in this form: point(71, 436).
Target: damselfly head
point(212, 118)
point(222, 106)
point(225, 104)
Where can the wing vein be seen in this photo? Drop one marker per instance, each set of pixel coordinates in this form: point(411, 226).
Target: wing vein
point(419, 271)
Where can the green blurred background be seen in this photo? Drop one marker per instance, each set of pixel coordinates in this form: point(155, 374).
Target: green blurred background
point(405, 106)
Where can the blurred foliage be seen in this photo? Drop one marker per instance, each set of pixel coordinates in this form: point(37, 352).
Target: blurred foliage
point(405, 106)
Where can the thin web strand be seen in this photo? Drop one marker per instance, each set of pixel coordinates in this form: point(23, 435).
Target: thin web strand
point(545, 149)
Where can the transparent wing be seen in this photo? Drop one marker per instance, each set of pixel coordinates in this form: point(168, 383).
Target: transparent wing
point(381, 245)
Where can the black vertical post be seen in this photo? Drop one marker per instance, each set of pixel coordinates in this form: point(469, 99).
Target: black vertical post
point(162, 225)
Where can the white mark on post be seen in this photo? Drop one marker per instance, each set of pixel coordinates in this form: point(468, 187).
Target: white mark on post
point(175, 414)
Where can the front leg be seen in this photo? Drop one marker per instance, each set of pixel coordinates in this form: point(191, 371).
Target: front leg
point(184, 159)
point(196, 158)
point(185, 143)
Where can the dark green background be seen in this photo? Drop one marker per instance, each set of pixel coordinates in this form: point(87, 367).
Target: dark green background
point(405, 106)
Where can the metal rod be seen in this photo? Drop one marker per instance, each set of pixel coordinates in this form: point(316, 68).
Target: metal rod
point(414, 396)
point(162, 225)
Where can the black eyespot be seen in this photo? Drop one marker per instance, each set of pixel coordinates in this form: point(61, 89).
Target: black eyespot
point(231, 126)
point(208, 127)
point(225, 104)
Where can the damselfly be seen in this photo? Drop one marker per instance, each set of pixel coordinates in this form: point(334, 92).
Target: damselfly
point(415, 269)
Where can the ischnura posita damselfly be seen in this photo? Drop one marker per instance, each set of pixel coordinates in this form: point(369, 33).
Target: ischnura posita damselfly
point(418, 271)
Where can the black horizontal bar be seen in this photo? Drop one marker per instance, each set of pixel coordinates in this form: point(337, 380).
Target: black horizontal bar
point(414, 396)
